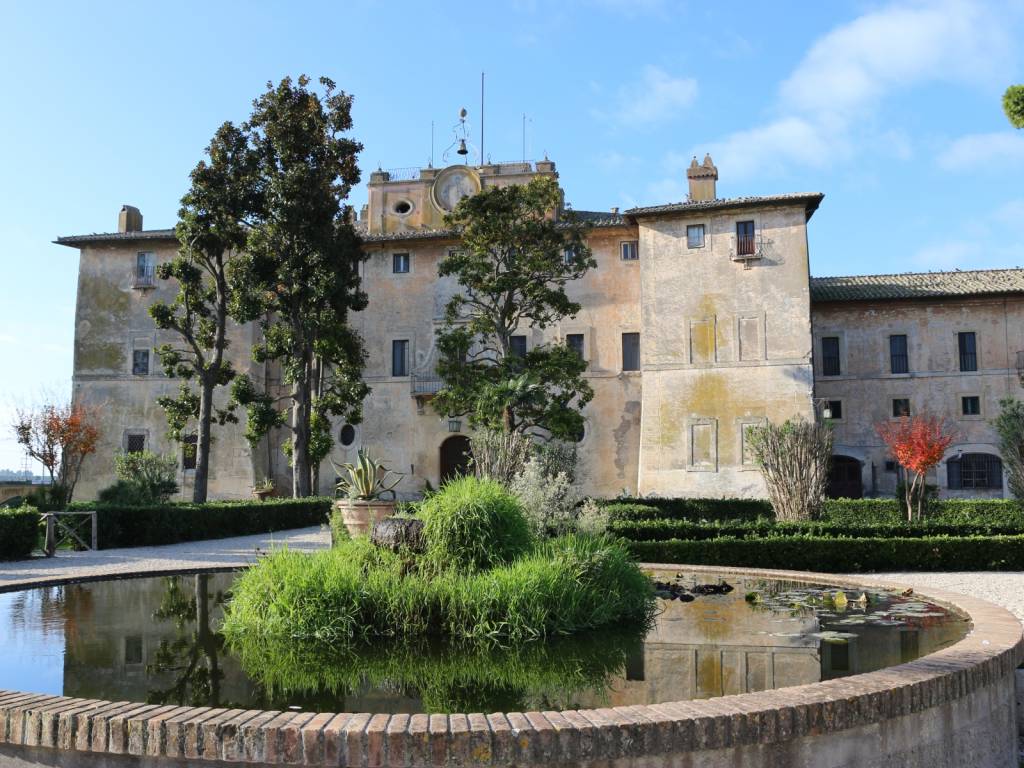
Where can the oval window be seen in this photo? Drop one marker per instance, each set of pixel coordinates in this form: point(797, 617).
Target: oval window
point(348, 435)
point(402, 207)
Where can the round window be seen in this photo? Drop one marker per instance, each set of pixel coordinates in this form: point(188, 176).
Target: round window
point(402, 207)
point(348, 435)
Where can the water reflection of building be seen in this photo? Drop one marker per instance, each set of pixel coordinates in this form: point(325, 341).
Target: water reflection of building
point(119, 632)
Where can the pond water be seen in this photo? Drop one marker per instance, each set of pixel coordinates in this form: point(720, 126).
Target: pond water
point(156, 640)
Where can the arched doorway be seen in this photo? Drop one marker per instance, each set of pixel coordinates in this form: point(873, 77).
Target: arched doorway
point(455, 456)
point(844, 479)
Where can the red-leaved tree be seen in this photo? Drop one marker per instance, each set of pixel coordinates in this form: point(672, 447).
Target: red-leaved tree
point(58, 436)
point(918, 443)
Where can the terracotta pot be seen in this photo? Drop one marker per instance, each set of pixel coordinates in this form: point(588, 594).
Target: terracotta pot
point(359, 516)
point(264, 493)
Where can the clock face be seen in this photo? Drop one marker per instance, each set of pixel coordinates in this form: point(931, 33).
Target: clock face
point(452, 184)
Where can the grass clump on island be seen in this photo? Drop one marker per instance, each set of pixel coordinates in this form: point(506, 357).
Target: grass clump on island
point(483, 576)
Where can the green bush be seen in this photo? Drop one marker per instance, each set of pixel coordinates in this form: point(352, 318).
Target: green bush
point(19, 532)
point(137, 526)
point(472, 524)
point(663, 530)
point(974, 553)
point(359, 592)
point(695, 509)
point(142, 478)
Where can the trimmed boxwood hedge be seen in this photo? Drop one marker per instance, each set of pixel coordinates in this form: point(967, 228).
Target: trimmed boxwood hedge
point(19, 532)
point(663, 530)
point(809, 553)
point(122, 526)
point(848, 511)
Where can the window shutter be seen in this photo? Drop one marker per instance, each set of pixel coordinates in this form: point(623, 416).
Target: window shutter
point(953, 474)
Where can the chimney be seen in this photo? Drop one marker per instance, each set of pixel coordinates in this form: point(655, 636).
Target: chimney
point(130, 219)
point(702, 178)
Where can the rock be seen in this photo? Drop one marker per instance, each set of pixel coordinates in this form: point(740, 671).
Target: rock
point(722, 588)
point(397, 533)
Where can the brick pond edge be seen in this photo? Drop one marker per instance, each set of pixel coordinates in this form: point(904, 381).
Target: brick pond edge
point(954, 707)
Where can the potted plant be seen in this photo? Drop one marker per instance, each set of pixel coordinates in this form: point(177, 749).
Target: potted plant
point(264, 489)
point(360, 488)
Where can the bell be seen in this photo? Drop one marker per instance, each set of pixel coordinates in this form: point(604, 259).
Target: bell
point(462, 148)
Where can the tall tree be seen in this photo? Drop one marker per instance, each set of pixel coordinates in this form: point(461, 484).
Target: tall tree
point(1009, 425)
point(1013, 105)
point(299, 274)
point(918, 444)
point(59, 436)
point(513, 265)
point(212, 225)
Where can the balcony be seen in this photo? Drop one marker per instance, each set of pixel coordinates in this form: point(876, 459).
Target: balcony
point(145, 276)
point(746, 248)
point(425, 384)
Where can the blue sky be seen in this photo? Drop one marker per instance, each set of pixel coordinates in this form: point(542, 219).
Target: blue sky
point(891, 109)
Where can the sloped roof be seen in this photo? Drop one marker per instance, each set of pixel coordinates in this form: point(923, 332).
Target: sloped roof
point(811, 202)
point(74, 241)
point(917, 285)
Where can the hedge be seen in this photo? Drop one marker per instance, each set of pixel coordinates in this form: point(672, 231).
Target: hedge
point(663, 530)
point(989, 512)
point(19, 532)
point(963, 553)
point(124, 526)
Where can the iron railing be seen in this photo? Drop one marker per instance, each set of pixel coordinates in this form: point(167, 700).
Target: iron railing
point(145, 276)
point(425, 384)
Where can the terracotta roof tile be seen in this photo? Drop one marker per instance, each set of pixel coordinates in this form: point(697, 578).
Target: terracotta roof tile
point(917, 285)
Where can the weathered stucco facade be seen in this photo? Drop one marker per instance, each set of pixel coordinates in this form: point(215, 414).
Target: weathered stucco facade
point(700, 320)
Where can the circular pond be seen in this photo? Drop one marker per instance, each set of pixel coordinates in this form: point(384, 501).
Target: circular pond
point(155, 640)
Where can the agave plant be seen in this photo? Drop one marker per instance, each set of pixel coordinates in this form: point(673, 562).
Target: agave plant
point(366, 480)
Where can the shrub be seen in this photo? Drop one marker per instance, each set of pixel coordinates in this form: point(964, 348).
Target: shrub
point(358, 592)
point(794, 458)
point(689, 509)
point(549, 501)
point(19, 532)
point(592, 519)
point(472, 523)
point(142, 478)
point(499, 455)
point(933, 553)
point(130, 526)
point(1009, 425)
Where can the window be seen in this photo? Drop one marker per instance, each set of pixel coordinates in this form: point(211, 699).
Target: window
point(898, 360)
point(968, 346)
point(134, 443)
point(400, 357)
point(347, 435)
point(400, 263)
point(975, 471)
point(833, 409)
point(188, 451)
point(568, 257)
point(631, 351)
point(517, 346)
point(970, 405)
point(630, 250)
point(133, 649)
point(402, 207)
point(574, 341)
point(145, 271)
point(695, 236)
point(830, 356)
point(140, 362)
point(890, 465)
point(900, 407)
point(745, 238)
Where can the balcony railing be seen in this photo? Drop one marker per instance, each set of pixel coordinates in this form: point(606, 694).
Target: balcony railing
point(746, 246)
point(423, 384)
point(145, 276)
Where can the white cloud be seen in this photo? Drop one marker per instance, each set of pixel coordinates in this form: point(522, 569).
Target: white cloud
point(983, 150)
point(826, 108)
point(656, 97)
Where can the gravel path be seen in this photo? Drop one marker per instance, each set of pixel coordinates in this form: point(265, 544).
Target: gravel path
point(213, 553)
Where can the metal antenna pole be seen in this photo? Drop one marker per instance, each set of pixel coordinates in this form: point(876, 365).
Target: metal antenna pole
point(482, 118)
point(524, 137)
point(431, 143)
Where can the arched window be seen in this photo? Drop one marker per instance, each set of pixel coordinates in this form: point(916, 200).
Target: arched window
point(975, 471)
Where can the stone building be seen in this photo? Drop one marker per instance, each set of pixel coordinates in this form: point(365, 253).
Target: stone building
point(700, 320)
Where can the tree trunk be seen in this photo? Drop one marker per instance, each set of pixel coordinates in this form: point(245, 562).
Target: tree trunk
point(202, 445)
point(316, 387)
point(300, 438)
